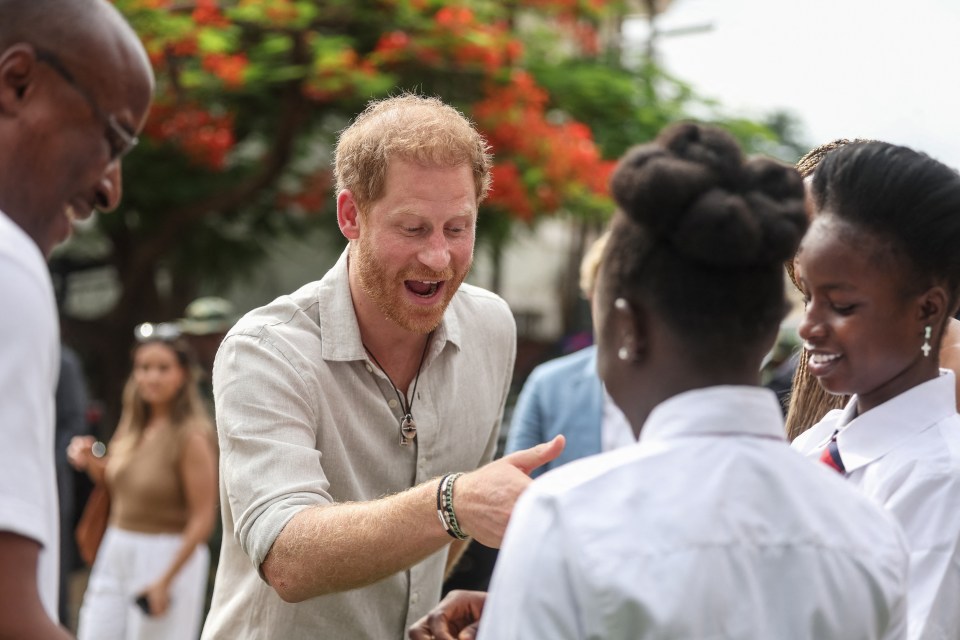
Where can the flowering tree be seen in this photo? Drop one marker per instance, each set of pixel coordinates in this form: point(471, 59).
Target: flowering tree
point(250, 95)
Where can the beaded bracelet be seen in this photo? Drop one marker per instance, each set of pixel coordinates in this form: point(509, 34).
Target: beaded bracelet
point(448, 509)
point(441, 488)
point(445, 512)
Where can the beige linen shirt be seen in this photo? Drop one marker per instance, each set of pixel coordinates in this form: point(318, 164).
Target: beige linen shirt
point(305, 418)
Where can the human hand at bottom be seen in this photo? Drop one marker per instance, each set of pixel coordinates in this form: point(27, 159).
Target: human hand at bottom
point(457, 617)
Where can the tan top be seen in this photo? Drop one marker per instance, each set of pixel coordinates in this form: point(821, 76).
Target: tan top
point(146, 487)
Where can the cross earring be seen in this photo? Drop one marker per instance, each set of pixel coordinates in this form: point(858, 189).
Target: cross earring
point(926, 342)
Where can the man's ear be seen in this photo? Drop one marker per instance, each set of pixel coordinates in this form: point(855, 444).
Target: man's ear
point(17, 70)
point(348, 215)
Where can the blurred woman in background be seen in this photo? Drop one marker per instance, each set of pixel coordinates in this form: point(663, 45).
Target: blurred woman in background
point(150, 573)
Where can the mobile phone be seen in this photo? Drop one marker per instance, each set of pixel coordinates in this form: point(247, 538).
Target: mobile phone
point(141, 601)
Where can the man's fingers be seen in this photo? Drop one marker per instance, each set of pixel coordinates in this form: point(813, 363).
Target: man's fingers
point(529, 459)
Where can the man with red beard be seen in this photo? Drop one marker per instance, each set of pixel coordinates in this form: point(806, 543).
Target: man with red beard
point(358, 416)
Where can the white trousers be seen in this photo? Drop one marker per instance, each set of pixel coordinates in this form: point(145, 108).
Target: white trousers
point(126, 564)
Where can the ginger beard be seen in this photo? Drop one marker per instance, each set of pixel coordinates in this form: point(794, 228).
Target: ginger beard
point(390, 293)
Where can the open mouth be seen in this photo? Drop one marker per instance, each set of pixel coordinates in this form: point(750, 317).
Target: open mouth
point(821, 359)
point(821, 363)
point(423, 288)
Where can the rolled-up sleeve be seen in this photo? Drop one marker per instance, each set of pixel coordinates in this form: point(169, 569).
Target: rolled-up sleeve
point(267, 422)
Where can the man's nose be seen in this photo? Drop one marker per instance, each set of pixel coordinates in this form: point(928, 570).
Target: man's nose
point(436, 254)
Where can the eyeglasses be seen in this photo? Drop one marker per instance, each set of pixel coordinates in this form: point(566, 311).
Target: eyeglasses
point(149, 331)
point(120, 140)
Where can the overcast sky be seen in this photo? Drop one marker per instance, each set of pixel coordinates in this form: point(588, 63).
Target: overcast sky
point(880, 69)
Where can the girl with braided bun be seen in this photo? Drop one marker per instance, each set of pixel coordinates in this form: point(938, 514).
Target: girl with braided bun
point(710, 526)
point(880, 273)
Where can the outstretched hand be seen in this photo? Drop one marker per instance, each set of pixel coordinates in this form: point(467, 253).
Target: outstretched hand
point(455, 618)
point(484, 499)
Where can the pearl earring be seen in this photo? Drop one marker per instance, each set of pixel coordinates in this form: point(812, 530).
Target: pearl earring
point(623, 353)
point(621, 304)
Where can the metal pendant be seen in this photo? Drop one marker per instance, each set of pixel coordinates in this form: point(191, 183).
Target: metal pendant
point(408, 430)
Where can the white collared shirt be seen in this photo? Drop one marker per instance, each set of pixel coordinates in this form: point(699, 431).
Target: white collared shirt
point(905, 455)
point(710, 527)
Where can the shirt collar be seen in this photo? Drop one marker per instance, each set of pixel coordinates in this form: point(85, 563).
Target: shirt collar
point(339, 330)
point(722, 410)
point(871, 435)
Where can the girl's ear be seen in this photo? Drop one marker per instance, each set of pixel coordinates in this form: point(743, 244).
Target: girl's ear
point(934, 306)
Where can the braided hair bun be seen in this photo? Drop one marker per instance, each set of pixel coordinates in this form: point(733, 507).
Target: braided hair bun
point(693, 190)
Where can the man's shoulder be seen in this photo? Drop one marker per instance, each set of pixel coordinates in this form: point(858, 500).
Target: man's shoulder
point(25, 280)
point(290, 312)
point(20, 258)
point(474, 296)
point(482, 312)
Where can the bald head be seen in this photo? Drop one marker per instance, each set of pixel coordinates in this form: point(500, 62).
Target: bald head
point(54, 23)
point(69, 28)
point(75, 87)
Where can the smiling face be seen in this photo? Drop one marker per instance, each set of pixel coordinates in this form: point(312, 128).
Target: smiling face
point(158, 374)
point(415, 244)
point(862, 331)
point(68, 114)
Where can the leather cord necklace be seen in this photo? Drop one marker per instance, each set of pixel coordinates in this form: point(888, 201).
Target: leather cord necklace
point(408, 426)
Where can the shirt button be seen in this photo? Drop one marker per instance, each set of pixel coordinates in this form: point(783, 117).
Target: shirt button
point(415, 598)
point(392, 403)
point(369, 368)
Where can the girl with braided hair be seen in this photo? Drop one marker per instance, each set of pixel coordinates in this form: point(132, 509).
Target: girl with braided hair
point(880, 272)
point(808, 401)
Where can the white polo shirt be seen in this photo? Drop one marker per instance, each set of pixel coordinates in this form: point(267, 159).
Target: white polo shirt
point(29, 366)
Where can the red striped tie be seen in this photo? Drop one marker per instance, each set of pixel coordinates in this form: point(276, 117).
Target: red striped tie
point(830, 455)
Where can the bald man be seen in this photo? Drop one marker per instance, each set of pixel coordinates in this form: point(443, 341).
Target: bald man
point(75, 86)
